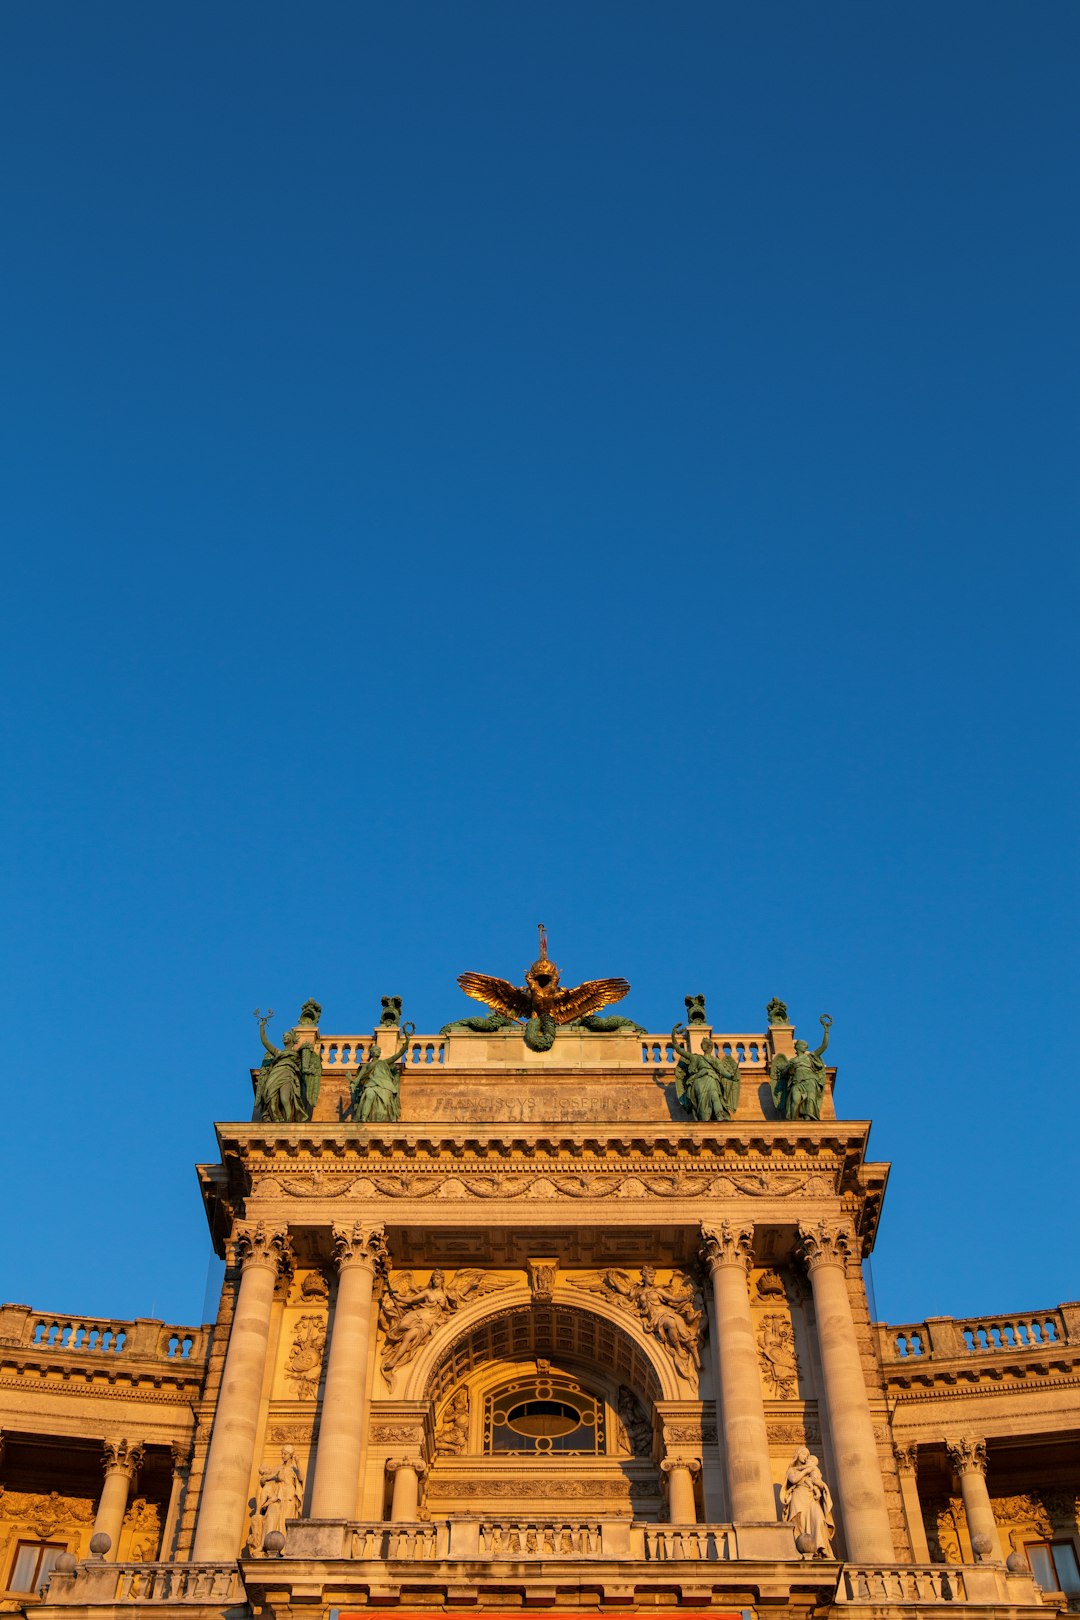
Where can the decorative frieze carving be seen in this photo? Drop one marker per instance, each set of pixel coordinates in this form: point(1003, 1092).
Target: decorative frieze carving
point(542, 1275)
point(529, 1184)
point(807, 1433)
point(304, 1366)
point(1023, 1511)
point(46, 1513)
point(545, 1489)
point(694, 1434)
point(825, 1243)
point(967, 1454)
point(143, 1521)
point(777, 1355)
point(727, 1245)
point(670, 1312)
point(299, 1434)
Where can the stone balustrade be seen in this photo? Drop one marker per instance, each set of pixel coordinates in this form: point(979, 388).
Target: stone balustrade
point(517, 1537)
point(949, 1338)
point(92, 1336)
point(348, 1051)
point(96, 1581)
point(902, 1583)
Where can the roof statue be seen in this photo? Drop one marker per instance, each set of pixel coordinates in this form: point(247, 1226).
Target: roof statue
point(541, 1004)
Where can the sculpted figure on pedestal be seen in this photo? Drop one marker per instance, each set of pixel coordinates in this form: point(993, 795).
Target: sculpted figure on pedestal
point(798, 1083)
point(707, 1082)
point(281, 1497)
point(776, 1011)
point(633, 1429)
point(541, 1002)
point(376, 1092)
point(807, 1504)
point(289, 1079)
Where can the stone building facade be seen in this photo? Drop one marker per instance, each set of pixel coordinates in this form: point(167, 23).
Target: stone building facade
point(547, 1342)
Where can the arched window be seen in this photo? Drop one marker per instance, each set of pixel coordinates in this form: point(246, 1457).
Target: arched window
point(545, 1414)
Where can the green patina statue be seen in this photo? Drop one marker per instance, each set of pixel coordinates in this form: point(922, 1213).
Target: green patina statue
point(310, 1013)
point(288, 1085)
point(707, 1082)
point(798, 1083)
point(480, 1025)
point(376, 1091)
point(776, 1011)
point(607, 1026)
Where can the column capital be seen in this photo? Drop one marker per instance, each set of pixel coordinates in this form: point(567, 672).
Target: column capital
point(825, 1243)
point(359, 1245)
point(121, 1457)
point(259, 1245)
point(691, 1464)
point(418, 1467)
point(907, 1456)
point(967, 1454)
point(182, 1455)
point(727, 1245)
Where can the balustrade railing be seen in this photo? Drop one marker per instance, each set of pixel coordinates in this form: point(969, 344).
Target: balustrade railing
point(95, 1335)
point(349, 1051)
point(708, 1543)
point(98, 1582)
point(541, 1538)
point(947, 1336)
point(387, 1542)
point(909, 1583)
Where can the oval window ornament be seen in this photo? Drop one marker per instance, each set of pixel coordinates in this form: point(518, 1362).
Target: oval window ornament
point(544, 1419)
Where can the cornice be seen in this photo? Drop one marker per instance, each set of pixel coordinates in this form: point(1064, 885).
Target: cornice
point(109, 1392)
point(994, 1382)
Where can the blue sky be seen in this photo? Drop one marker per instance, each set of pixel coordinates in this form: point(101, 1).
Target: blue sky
point(607, 463)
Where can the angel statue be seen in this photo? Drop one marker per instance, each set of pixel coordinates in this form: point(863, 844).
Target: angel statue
point(798, 1083)
point(541, 1004)
point(288, 1084)
point(670, 1312)
point(707, 1082)
point(410, 1315)
point(376, 1092)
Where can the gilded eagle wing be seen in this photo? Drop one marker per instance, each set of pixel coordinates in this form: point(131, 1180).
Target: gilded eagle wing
point(498, 993)
point(585, 998)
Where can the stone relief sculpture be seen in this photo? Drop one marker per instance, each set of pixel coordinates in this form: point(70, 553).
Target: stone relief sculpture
point(707, 1082)
point(289, 1080)
point(671, 1312)
point(409, 1316)
point(778, 1356)
point(798, 1083)
point(541, 1003)
point(143, 1520)
point(480, 1025)
point(607, 1026)
point(281, 1497)
point(452, 1429)
point(376, 1090)
point(807, 1505)
point(776, 1011)
point(633, 1431)
point(305, 1358)
point(695, 1010)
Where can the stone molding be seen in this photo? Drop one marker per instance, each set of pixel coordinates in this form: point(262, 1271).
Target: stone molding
point(727, 1245)
point(360, 1245)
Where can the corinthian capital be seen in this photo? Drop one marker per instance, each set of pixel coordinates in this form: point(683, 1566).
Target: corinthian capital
point(907, 1456)
point(727, 1245)
point(967, 1454)
point(122, 1457)
point(825, 1243)
point(259, 1245)
point(359, 1245)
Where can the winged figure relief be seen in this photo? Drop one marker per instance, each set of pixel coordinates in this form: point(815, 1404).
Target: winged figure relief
point(671, 1312)
point(409, 1315)
point(541, 1003)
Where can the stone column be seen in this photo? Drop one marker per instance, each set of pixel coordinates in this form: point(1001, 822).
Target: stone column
point(405, 1502)
point(860, 1488)
point(968, 1457)
point(727, 1251)
point(262, 1255)
point(121, 1461)
point(359, 1252)
point(681, 1473)
point(181, 1459)
point(906, 1464)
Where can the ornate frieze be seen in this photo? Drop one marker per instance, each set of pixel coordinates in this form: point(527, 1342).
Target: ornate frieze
point(47, 1512)
point(556, 1184)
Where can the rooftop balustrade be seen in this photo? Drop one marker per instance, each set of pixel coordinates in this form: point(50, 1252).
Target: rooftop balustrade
point(651, 1051)
point(972, 1338)
point(104, 1338)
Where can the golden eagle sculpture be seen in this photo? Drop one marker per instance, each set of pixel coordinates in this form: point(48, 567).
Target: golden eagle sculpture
point(541, 1003)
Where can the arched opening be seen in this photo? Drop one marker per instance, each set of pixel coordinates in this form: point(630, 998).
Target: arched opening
point(544, 1409)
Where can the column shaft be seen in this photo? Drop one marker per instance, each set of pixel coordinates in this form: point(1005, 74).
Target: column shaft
point(112, 1505)
point(682, 1507)
point(969, 1459)
point(909, 1491)
point(405, 1502)
point(860, 1489)
point(741, 1409)
point(344, 1418)
point(224, 1497)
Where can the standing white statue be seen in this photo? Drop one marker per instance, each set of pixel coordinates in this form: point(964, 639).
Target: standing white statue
point(807, 1503)
point(281, 1497)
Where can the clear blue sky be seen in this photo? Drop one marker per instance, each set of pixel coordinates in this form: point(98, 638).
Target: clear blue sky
point(608, 463)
